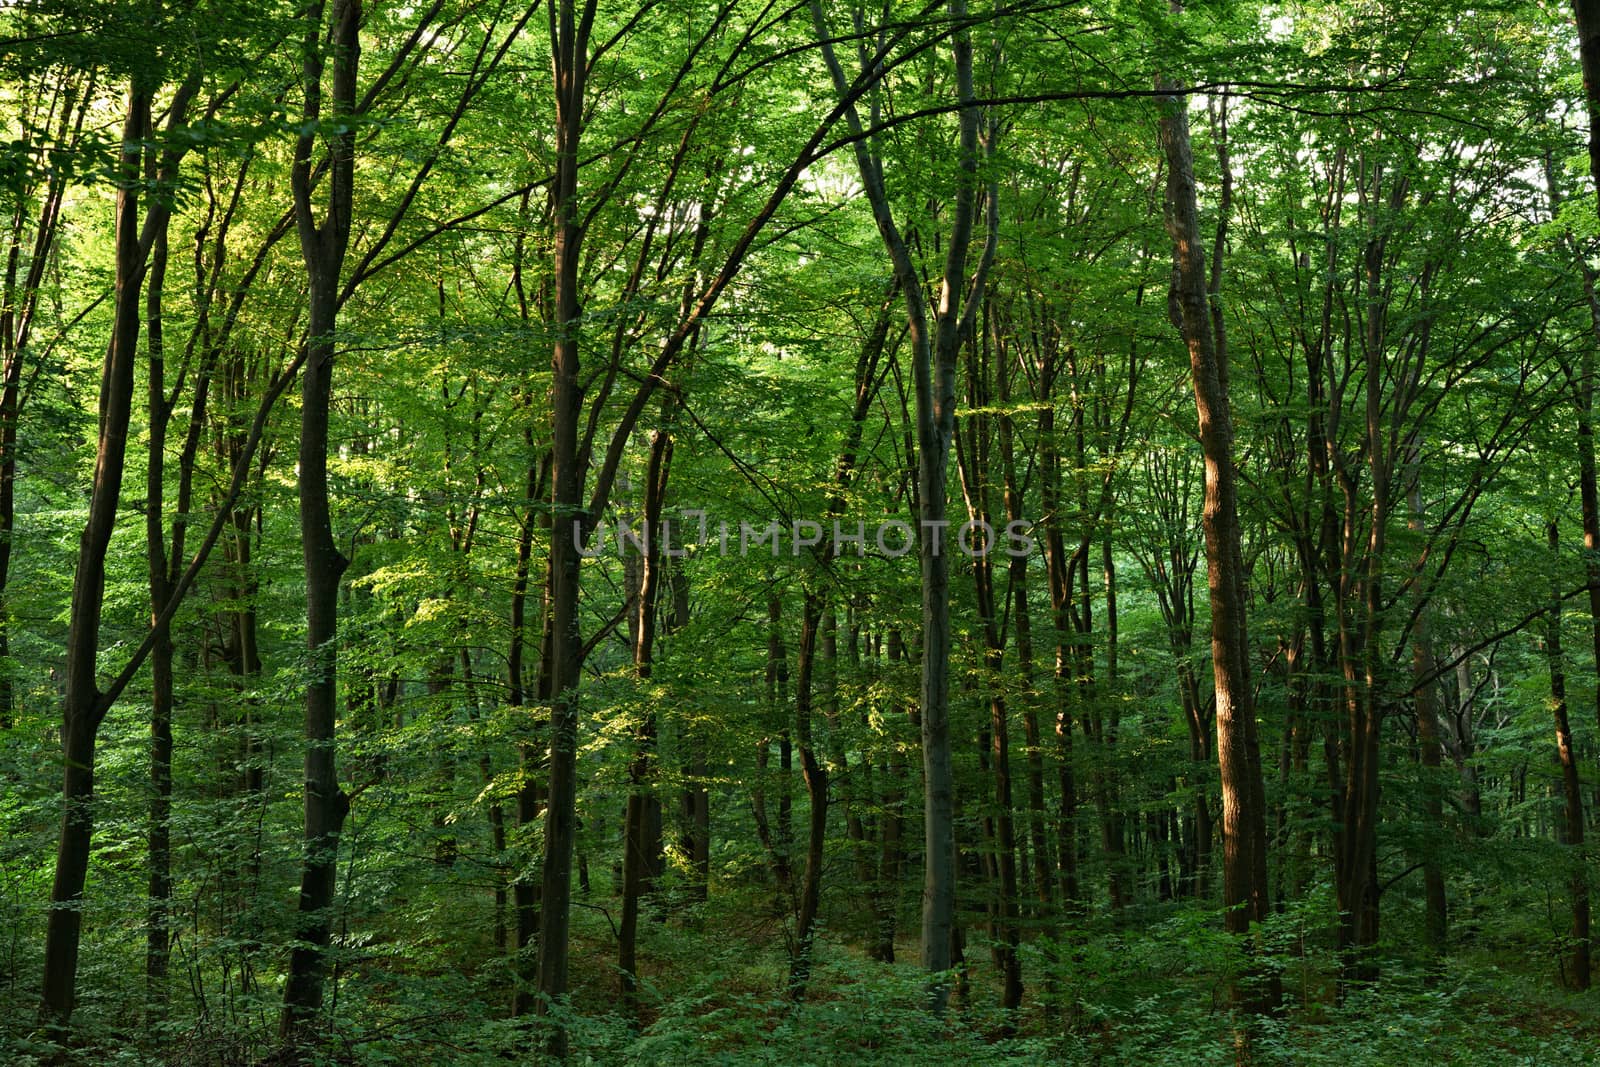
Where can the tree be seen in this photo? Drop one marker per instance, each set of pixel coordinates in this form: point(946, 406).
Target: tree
point(936, 331)
point(1196, 313)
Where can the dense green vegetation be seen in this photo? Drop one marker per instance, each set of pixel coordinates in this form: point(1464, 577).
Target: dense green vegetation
point(671, 532)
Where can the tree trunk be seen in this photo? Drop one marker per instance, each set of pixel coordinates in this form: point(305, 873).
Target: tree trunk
point(696, 798)
point(640, 847)
point(1023, 622)
point(1571, 834)
point(529, 802)
point(936, 330)
point(159, 834)
point(85, 707)
point(1586, 15)
point(1243, 820)
point(19, 300)
point(891, 833)
point(974, 466)
point(323, 248)
point(569, 28)
point(815, 774)
point(1425, 671)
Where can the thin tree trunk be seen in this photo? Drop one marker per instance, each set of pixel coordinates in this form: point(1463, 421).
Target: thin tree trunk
point(1112, 824)
point(696, 797)
point(529, 801)
point(640, 846)
point(19, 300)
point(1571, 788)
point(1424, 670)
point(815, 774)
point(1023, 622)
point(936, 329)
point(974, 466)
point(890, 836)
point(159, 835)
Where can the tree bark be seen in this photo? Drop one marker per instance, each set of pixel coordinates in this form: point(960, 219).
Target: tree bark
point(1043, 882)
point(641, 848)
point(974, 467)
point(1571, 834)
point(1586, 15)
point(86, 705)
point(19, 301)
point(1243, 820)
point(936, 331)
point(322, 247)
point(815, 774)
point(1430, 753)
point(569, 39)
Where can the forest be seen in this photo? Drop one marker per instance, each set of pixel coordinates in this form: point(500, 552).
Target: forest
point(799, 532)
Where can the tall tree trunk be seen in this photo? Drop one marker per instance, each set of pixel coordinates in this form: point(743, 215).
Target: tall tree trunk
point(86, 705)
point(1243, 820)
point(1042, 880)
point(322, 247)
point(569, 39)
point(695, 802)
point(936, 330)
point(1112, 823)
point(640, 847)
point(1586, 15)
point(1571, 834)
point(775, 843)
point(83, 712)
point(891, 832)
point(1430, 754)
point(815, 774)
point(529, 802)
point(1582, 384)
point(974, 467)
point(20, 293)
point(1059, 568)
point(159, 834)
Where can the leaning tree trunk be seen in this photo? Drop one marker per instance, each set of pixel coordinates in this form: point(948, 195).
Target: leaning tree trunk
point(84, 709)
point(86, 705)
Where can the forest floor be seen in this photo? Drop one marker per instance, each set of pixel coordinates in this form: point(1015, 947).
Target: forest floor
point(714, 991)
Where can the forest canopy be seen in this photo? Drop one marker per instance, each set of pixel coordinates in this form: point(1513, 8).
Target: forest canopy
point(689, 531)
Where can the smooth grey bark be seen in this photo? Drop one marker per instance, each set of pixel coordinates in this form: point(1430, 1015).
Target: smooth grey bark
point(936, 330)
